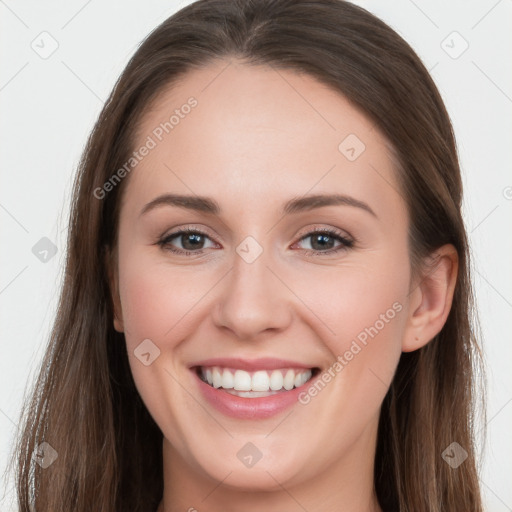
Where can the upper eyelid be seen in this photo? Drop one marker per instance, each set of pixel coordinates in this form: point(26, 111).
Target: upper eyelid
point(184, 230)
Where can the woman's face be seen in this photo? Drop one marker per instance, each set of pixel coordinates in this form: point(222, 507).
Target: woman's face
point(254, 297)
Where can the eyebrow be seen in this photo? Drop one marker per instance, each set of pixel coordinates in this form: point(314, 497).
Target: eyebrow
point(294, 205)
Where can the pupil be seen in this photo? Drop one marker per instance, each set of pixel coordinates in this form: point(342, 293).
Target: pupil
point(190, 238)
point(317, 238)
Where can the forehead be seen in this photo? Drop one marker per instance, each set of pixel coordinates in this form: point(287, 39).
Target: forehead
point(259, 132)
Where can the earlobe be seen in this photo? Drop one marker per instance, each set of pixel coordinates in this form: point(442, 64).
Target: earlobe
point(431, 299)
point(118, 324)
point(111, 266)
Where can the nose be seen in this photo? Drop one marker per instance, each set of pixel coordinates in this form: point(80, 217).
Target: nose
point(253, 299)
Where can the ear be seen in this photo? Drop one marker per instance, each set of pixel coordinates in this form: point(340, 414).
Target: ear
point(431, 298)
point(113, 281)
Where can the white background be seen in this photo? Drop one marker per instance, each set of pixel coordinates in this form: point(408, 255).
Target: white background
point(49, 107)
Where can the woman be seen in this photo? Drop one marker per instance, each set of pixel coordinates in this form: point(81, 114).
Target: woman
point(267, 298)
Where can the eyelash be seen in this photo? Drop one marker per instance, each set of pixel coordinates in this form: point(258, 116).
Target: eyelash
point(346, 243)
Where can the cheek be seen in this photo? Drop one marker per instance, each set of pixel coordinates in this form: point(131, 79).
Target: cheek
point(156, 300)
point(362, 315)
point(158, 304)
point(357, 302)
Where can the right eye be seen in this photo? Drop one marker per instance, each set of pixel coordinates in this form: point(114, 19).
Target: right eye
point(191, 240)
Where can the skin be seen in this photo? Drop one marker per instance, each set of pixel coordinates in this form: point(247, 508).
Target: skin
point(257, 138)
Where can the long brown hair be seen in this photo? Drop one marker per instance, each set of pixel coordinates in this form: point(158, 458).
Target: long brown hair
point(84, 402)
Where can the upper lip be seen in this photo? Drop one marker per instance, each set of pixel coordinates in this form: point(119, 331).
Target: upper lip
point(264, 363)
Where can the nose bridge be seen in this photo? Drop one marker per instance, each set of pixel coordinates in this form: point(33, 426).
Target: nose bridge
point(253, 299)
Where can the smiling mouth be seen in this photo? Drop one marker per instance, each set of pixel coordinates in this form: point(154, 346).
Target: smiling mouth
point(255, 384)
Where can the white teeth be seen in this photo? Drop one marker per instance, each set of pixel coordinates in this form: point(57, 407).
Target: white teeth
point(276, 380)
point(260, 382)
point(251, 394)
point(301, 378)
point(289, 379)
point(242, 381)
point(227, 379)
point(217, 378)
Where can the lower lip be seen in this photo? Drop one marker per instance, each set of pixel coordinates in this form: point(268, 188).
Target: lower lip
point(249, 408)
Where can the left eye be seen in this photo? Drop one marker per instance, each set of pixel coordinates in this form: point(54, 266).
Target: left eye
point(323, 241)
point(193, 241)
